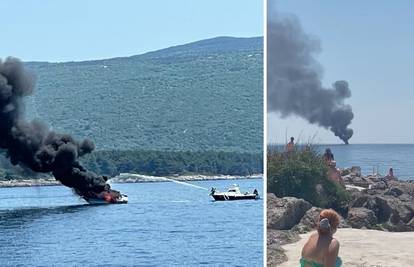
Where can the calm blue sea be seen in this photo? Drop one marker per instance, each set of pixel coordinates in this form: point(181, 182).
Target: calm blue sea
point(164, 224)
point(373, 156)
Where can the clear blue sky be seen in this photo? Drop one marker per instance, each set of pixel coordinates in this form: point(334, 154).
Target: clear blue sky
point(371, 45)
point(73, 30)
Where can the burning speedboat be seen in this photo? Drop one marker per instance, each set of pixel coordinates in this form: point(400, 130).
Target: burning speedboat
point(233, 193)
point(108, 196)
point(31, 144)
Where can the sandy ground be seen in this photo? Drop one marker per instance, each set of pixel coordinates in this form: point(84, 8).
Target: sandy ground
point(364, 248)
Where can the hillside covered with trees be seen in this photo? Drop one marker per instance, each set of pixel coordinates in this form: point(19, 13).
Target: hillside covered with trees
point(206, 95)
point(193, 108)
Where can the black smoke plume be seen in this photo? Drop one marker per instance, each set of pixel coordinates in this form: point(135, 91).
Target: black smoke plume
point(33, 144)
point(294, 78)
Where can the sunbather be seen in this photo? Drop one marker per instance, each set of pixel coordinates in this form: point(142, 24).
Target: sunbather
point(321, 249)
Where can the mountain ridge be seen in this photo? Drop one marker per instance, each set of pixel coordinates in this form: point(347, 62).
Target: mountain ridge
point(242, 43)
point(205, 95)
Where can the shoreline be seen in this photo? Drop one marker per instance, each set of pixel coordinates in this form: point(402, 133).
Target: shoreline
point(128, 178)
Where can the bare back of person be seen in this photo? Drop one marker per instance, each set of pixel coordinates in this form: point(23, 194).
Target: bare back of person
point(321, 250)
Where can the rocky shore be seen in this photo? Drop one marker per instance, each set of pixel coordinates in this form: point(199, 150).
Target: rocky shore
point(376, 202)
point(29, 182)
point(139, 178)
point(126, 178)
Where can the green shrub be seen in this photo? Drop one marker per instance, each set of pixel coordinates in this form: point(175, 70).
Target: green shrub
point(303, 174)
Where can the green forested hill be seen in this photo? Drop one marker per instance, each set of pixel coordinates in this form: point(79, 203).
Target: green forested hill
point(206, 95)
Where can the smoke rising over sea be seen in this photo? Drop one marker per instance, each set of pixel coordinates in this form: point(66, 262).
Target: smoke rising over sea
point(294, 75)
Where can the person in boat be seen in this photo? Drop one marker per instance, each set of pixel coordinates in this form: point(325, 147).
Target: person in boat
point(321, 249)
point(291, 145)
point(328, 156)
point(255, 192)
point(213, 190)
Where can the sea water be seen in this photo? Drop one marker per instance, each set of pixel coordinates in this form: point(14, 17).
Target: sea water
point(373, 157)
point(164, 224)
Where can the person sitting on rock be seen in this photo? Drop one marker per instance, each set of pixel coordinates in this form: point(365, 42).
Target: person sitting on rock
point(321, 249)
point(334, 174)
point(328, 156)
point(390, 175)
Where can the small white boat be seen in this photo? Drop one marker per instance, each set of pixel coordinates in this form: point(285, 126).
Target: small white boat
point(233, 193)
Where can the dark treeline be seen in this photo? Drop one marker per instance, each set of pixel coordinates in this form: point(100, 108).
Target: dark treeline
point(113, 162)
point(169, 163)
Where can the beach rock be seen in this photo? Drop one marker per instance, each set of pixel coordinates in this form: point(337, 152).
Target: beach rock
point(358, 181)
point(402, 187)
point(275, 240)
point(284, 213)
point(355, 180)
point(411, 223)
point(345, 172)
point(275, 255)
point(353, 176)
point(393, 207)
point(310, 219)
point(356, 171)
point(281, 237)
point(379, 185)
point(406, 198)
point(394, 191)
point(352, 171)
point(362, 218)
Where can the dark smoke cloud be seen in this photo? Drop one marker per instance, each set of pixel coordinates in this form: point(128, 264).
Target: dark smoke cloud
point(294, 78)
point(33, 144)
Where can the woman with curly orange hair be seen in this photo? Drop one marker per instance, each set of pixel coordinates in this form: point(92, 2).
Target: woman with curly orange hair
point(321, 249)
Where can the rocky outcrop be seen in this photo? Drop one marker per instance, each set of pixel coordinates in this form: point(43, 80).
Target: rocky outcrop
point(310, 219)
point(275, 240)
point(385, 203)
point(284, 213)
point(375, 203)
point(362, 218)
point(390, 208)
point(287, 218)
